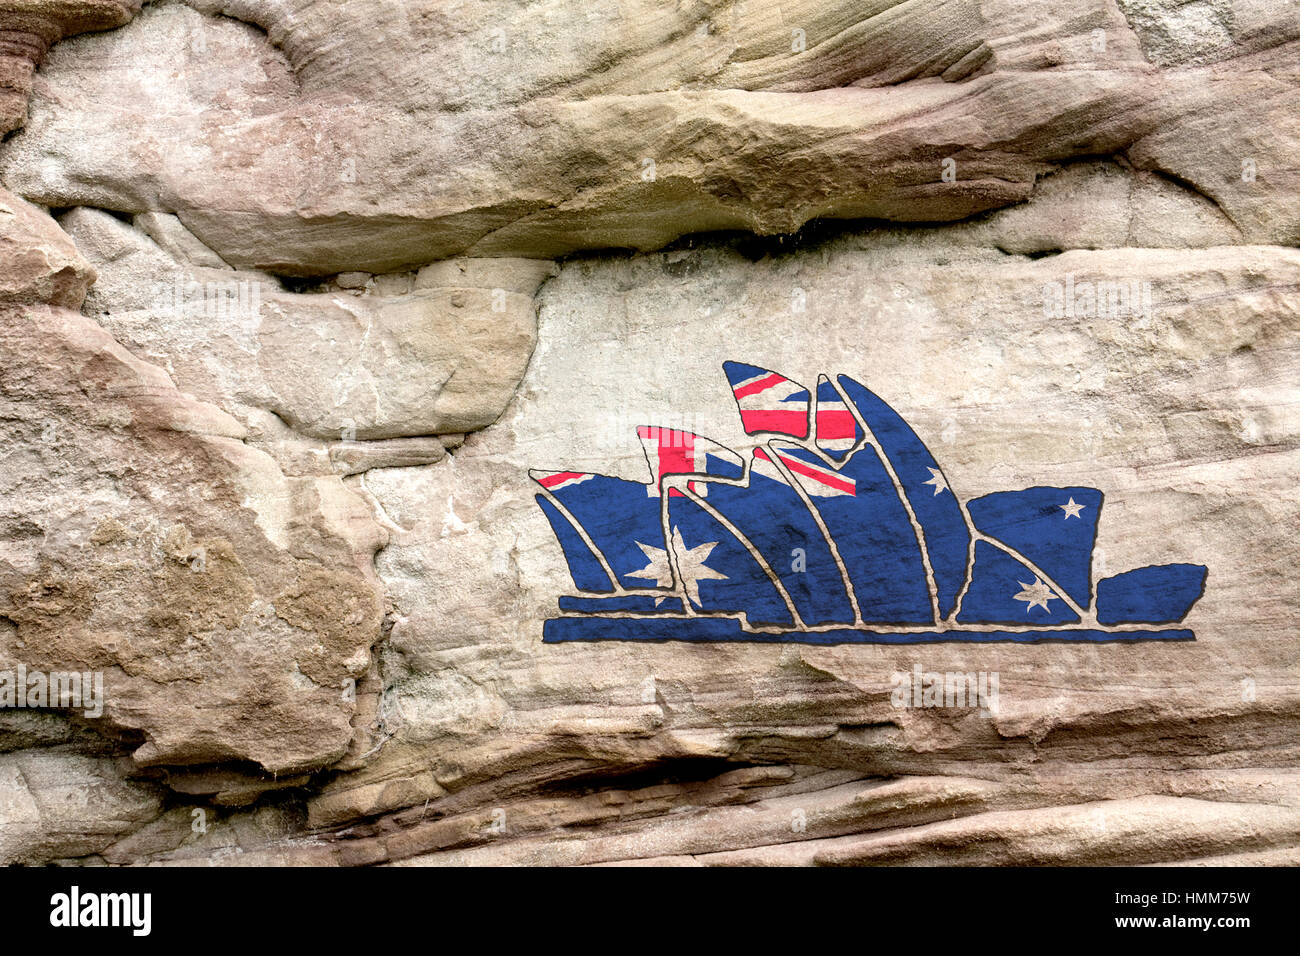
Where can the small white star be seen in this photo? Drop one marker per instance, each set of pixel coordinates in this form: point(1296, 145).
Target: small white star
point(1037, 595)
point(1071, 510)
point(689, 560)
point(937, 480)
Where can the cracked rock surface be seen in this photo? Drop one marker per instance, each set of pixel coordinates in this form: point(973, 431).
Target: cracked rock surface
point(293, 294)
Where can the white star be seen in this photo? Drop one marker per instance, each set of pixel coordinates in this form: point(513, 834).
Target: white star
point(689, 560)
point(1037, 595)
point(1071, 510)
point(937, 480)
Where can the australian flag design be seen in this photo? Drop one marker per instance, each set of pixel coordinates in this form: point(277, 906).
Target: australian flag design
point(837, 527)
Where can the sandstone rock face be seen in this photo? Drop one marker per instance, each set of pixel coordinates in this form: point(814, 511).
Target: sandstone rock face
point(556, 128)
point(225, 602)
point(293, 295)
point(440, 354)
point(28, 27)
point(38, 263)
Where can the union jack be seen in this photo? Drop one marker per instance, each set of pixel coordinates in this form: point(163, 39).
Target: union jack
point(554, 480)
point(671, 451)
point(768, 402)
point(837, 430)
point(816, 479)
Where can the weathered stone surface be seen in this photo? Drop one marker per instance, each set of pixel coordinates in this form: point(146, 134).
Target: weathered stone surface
point(443, 357)
point(1180, 416)
point(177, 241)
point(58, 805)
point(295, 530)
point(351, 458)
point(555, 129)
point(38, 263)
point(28, 27)
point(224, 603)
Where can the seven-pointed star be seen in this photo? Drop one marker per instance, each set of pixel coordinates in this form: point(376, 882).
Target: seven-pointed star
point(1037, 594)
point(936, 480)
point(689, 560)
point(1071, 510)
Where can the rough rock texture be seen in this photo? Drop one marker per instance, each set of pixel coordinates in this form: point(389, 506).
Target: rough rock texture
point(294, 293)
point(225, 603)
point(551, 127)
point(28, 27)
point(38, 263)
point(441, 355)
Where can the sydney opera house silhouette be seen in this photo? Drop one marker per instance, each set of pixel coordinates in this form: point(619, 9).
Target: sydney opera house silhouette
point(837, 527)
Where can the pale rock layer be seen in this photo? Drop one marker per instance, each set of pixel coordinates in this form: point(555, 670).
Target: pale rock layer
point(226, 604)
point(555, 128)
point(282, 335)
point(442, 354)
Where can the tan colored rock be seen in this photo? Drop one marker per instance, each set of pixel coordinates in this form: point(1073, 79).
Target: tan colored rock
point(1151, 828)
point(580, 130)
point(60, 805)
point(28, 27)
point(177, 241)
point(352, 280)
point(225, 603)
point(351, 458)
point(394, 284)
point(512, 275)
point(440, 359)
point(322, 631)
point(38, 263)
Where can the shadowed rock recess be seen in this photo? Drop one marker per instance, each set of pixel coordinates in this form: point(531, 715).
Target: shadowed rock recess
point(294, 293)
